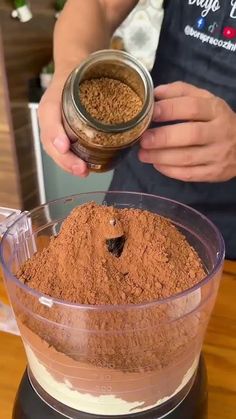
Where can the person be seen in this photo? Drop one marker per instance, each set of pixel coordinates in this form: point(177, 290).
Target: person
point(189, 153)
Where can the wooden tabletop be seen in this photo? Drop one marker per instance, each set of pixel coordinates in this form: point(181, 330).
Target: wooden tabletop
point(219, 349)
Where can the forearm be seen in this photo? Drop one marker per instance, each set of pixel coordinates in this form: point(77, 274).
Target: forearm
point(84, 27)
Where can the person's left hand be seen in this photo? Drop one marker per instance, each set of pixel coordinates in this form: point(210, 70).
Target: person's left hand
point(202, 148)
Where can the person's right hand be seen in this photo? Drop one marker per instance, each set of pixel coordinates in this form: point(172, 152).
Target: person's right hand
point(54, 139)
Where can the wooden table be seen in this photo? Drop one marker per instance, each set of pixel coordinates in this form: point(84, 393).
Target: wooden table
point(219, 349)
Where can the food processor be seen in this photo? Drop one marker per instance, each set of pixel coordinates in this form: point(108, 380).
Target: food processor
point(111, 361)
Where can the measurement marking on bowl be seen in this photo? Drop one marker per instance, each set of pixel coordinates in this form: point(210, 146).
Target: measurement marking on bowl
point(46, 301)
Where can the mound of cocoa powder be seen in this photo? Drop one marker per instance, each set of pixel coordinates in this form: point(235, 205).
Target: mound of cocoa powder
point(109, 101)
point(156, 262)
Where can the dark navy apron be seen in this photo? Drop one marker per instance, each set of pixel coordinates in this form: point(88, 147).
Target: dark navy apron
point(197, 45)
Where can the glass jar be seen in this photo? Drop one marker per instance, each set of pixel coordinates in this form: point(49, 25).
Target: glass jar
point(101, 145)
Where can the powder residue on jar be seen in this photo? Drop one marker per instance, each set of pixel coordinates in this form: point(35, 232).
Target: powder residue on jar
point(110, 101)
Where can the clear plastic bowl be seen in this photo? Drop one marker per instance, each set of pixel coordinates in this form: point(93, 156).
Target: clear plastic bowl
point(112, 360)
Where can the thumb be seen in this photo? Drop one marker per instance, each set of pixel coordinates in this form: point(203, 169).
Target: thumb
point(51, 128)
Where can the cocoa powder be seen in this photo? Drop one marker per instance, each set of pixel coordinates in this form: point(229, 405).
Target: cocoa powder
point(156, 261)
point(77, 267)
point(109, 101)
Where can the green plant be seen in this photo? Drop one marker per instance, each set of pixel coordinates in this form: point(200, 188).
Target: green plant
point(19, 3)
point(59, 5)
point(49, 68)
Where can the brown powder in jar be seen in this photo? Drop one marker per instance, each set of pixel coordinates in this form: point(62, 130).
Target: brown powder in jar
point(109, 101)
point(76, 266)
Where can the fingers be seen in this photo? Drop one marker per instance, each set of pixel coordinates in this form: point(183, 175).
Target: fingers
point(185, 108)
point(187, 156)
point(191, 151)
point(55, 140)
point(182, 101)
point(189, 174)
point(70, 163)
point(178, 135)
point(178, 89)
point(53, 136)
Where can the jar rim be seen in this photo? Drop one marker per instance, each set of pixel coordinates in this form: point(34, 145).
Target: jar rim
point(130, 61)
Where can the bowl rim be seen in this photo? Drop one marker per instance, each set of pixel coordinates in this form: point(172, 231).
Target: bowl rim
point(220, 256)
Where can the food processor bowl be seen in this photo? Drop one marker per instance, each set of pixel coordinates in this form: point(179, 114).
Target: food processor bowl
point(112, 360)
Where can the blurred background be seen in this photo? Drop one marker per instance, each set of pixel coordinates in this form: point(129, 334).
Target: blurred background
point(28, 177)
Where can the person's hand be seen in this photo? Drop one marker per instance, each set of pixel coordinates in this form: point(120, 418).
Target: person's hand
point(202, 148)
point(53, 136)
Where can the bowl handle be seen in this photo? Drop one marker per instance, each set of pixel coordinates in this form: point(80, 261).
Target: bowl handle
point(7, 319)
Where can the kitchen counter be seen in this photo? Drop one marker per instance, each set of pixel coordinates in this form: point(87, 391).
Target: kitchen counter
point(219, 350)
